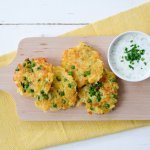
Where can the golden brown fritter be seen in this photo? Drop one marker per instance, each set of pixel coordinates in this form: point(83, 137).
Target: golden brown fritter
point(83, 63)
point(33, 76)
point(62, 94)
point(100, 97)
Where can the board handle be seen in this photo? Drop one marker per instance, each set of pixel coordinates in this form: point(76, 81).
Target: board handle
point(5, 78)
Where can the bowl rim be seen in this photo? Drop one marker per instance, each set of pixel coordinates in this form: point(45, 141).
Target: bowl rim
point(108, 56)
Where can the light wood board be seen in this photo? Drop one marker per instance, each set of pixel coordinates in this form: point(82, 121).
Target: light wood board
point(134, 98)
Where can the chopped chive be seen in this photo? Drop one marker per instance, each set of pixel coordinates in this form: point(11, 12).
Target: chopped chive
point(65, 79)
point(145, 63)
point(63, 101)
point(58, 78)
point(44, 95)
point(72, 67)
point(70, 85)
point(131, 67)
point(114, 96)
point(24, 78)
point(33, 64)
point(31, 90)
point(89, 100)
point(39, 67)
point(26, 85)
point(106, 105)
point(17, 69)
point(24, 64)
point(61, 93)
point(113, 80)
point(42, 92)
point(91, 108)
point(70, 73)
point(54, 105)
point(131, 41)
point(87, 73)
point(98, 95)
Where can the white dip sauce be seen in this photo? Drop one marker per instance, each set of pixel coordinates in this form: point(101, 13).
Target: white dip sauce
point(140, 70)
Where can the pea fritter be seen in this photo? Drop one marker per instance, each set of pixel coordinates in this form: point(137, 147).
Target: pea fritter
point(83, 63)
point(100, 97)
point(62, 94)
point(34, 76)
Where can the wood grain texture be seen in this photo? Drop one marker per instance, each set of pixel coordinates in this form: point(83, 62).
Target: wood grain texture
point(134, 98)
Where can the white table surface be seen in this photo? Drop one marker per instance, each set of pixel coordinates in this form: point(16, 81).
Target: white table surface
point(26, 18)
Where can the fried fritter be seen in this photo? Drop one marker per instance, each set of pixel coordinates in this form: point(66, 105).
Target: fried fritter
point(33, 76)
point(100, 97)
point(62, 94)
point(83, 63)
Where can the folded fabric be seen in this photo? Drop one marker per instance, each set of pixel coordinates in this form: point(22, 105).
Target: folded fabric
point(20, 135)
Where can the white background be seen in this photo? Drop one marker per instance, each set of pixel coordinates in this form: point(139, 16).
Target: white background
point(24, 18)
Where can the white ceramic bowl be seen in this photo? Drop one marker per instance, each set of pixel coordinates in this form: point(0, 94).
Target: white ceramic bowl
point(123, 73)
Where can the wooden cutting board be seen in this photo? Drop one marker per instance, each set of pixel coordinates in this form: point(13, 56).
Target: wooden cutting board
point(134, 98)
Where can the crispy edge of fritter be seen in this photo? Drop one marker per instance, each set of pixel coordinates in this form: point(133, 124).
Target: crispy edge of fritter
point(18, 76)
point(57, 104)
point(96, 75)
point(102, 103)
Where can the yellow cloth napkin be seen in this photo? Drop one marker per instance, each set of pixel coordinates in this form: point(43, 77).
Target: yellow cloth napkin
point(19, 135)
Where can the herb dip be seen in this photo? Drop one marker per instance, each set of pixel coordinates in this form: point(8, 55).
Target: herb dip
point(129, 56)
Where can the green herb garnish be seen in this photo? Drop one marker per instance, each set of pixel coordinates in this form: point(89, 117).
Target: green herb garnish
point(73, 67)
point(106, 105)
point(63, 101)
point(17, 69)
point(89, 100)
point(44, 95)
point(58, 78)
point(70, 85)
point(61, 93)
point(87, 73)
point(131, 67)
point(131, 41)
point(65, 79)
point(91, 108)
point(113, 80)
point(39, 67)
point(94, 90)
point(133, 54)
point(31, 91)
point(33, 64)
point(98, 95)
point(114, 96)
point(54, 105)
point(24, 64)
point(70, 73)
